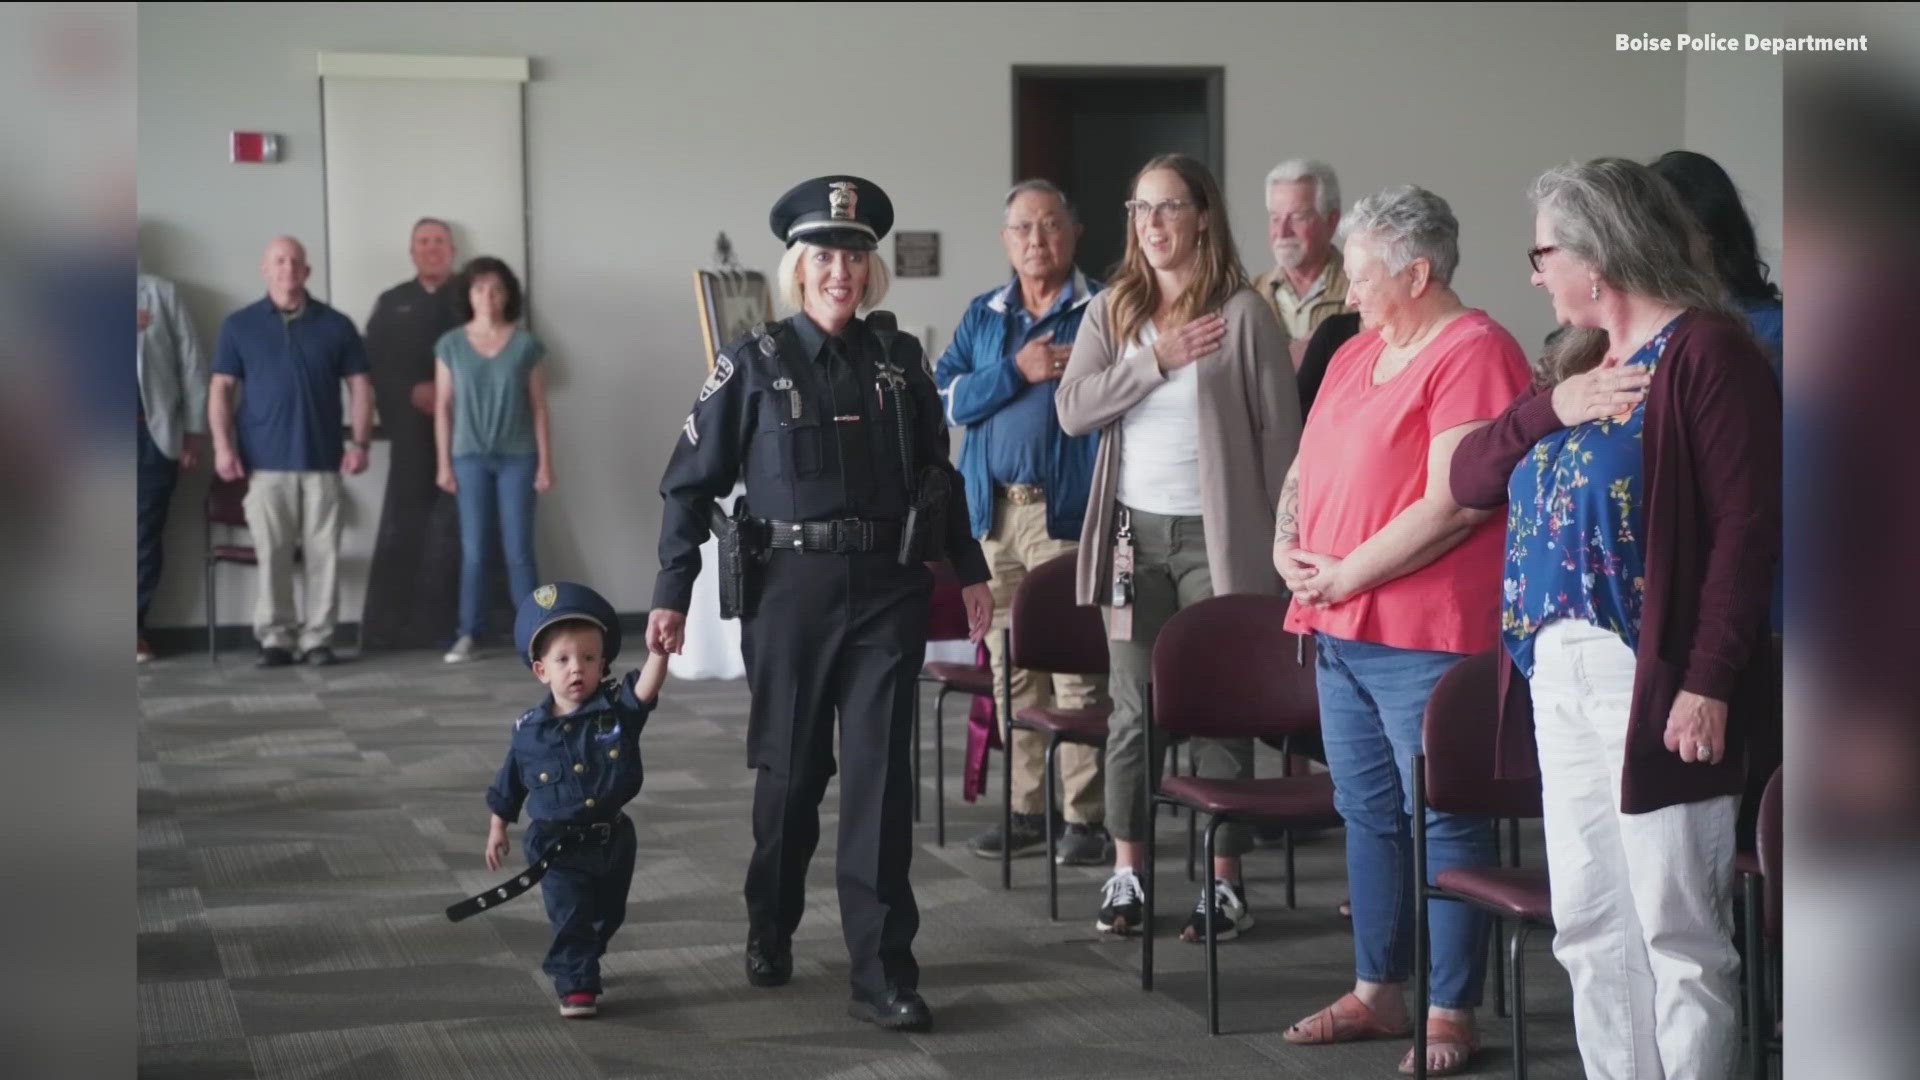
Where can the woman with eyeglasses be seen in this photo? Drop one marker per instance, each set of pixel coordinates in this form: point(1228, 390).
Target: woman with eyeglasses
point(1397, 581)
point(1641, 476)
point(1184, 372)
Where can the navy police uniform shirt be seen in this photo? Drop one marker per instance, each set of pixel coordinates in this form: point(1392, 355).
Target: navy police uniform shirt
point(805, 422)
point(579, 768)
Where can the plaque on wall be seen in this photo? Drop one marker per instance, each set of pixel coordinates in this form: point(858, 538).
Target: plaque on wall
point(916, 254)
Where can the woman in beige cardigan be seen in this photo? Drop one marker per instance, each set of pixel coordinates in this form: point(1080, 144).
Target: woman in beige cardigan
point(1184, 371)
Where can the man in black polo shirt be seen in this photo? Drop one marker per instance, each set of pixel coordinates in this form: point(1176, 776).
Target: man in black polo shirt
point(283, 357)
point(413, 582)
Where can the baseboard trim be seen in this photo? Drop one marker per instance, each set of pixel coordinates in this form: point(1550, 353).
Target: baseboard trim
point(178, 640)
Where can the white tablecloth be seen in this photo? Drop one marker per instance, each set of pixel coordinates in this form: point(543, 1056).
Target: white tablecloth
point(713, 644)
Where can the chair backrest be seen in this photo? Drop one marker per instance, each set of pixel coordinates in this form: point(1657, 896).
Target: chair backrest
point(225, 502)
point(1459, 736)
point(1772, 848)
point(1049, 630)
point(1226, 668)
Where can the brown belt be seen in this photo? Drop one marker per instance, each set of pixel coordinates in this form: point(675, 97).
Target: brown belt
point(1023, 494)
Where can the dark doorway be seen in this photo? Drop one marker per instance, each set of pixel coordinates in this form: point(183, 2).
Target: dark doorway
point(1089, 129)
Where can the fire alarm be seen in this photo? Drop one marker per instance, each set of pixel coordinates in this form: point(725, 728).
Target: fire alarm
point(253, 147)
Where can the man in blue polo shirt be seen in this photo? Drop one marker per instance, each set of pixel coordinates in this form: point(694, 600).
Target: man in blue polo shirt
point(1027, 485)
point(284, 357)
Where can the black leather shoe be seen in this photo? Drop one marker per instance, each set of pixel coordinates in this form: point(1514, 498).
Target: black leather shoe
point(769, 965)
point(274, 656)
point(320, 656)
point(899, 1010)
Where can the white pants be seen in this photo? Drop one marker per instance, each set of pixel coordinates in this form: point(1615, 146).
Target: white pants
point(1641, 902)
point(286, 510)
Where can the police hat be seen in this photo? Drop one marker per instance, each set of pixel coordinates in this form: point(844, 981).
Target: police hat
point(560, 602)
point(833, 211)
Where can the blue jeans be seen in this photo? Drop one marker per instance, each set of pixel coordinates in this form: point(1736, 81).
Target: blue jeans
point(1373, 699)
point(494, 487)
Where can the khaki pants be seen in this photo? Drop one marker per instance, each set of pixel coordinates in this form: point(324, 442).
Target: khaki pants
point(1018, 543)
point(286, 510)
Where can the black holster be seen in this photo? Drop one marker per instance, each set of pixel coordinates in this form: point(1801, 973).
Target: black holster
point(924, 537)
point(739, 560)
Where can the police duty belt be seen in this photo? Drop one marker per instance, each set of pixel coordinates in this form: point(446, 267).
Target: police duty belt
point(601, 831)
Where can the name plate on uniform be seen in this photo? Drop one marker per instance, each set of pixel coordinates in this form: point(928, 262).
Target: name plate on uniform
point(916, 254)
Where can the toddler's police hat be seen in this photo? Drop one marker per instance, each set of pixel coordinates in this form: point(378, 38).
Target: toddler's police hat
point(833, 211)
point(560, 602)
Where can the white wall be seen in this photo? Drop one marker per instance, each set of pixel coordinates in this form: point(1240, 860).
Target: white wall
point(649, 129)
point(1734, 114)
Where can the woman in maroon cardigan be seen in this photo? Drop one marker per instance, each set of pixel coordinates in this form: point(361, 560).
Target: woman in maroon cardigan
point(1642, 478)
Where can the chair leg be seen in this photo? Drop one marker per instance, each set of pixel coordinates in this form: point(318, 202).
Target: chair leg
point(1287, 843)
point(1753, 970)
point(1422, 966)
point(1517, 957)
point(1213, 944)
point(940, 768)
point(1153, 821)
point(1499, 968)
point(917, 773)
point(1053, 868)
point(213, 634)
point(1193, 828)
point(1005, 720)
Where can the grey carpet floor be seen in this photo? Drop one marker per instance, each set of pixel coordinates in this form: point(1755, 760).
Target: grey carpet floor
point(300, 832)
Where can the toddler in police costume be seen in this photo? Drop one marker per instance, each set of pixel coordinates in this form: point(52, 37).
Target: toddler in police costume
point(574, 762)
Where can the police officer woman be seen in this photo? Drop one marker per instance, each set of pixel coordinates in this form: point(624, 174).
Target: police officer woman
point(837, 428)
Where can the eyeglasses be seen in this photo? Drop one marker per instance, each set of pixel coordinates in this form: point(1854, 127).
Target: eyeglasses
point(1534, 255)
point(1049, 228)
point(1167, 208)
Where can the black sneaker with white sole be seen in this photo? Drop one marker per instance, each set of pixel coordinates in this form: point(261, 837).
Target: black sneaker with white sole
point(1084, 845)
point(1122, 904)
point(1230, 915)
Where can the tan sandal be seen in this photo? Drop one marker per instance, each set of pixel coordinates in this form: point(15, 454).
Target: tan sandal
point(1448, 1034)
point(1346, 1020)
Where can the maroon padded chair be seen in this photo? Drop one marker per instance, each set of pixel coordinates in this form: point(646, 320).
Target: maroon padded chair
point(225, 511)
point(948, 623)
point(1226, 668)
point(1049, 633)
point(1455, 775)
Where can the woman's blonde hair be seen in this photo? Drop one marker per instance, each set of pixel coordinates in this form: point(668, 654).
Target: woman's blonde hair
point(787, 279)
point(1135, 292)
point(1633, 229)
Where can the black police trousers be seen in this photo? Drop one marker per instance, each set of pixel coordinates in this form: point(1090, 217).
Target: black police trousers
point(837, 635)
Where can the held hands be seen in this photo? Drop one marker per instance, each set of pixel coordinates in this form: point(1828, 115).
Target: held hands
point(1189, 343)
point(1316, 580)
point(1040, 359)
point(1612, 389)
point(444, 480)
point(978, 598)
point(497, 846)
point(666, 631)
point(1697, 729)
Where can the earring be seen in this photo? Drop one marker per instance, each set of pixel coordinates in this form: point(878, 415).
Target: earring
point(1596, 290)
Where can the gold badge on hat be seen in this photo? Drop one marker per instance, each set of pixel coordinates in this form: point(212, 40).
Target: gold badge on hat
point(545, 595)
point(841, 198)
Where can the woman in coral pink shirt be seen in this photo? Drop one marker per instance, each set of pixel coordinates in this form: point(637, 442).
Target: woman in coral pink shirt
point(1396, 581)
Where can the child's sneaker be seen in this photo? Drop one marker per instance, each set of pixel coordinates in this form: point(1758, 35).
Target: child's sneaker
point(578, 1006)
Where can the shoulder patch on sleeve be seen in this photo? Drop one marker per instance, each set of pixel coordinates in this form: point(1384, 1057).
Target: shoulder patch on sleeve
point(722, 371)
point(692, 430)
point(530, 714)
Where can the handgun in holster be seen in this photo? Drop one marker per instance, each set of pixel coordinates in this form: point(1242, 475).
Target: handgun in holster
point(739, 559)
point(924, 539)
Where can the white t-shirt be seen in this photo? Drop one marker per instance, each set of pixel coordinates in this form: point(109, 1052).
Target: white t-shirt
point(1160, 442)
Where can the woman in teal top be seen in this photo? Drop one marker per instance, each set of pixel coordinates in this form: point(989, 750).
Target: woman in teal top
point(490, 427)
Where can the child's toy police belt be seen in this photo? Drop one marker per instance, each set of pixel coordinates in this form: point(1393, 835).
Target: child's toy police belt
point(571, 836)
